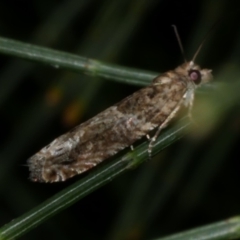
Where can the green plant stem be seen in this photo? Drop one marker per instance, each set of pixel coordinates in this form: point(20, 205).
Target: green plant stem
point(73, 62)
point(227, 229)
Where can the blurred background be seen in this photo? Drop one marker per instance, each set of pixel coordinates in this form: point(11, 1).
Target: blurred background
point(191, 183)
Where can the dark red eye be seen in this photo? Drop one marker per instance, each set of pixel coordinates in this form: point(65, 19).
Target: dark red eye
point(195, 76)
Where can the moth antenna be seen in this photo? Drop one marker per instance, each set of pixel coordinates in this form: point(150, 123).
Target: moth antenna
point(204, 39)
point(179, 42)
point(200, 46)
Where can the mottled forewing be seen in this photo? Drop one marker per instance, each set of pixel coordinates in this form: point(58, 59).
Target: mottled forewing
point(110, 131)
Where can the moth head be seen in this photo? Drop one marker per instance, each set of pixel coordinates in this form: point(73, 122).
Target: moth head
point(194, 73)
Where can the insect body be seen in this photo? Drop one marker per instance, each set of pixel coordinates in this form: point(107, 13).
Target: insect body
point(119, 126)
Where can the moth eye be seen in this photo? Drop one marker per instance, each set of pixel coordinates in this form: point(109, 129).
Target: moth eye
point(195, 76)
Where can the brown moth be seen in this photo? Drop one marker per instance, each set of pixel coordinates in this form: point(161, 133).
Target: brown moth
point(120, 125)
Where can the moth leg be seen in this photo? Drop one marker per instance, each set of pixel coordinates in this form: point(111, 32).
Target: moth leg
point(148, 137)
point(163, 125)
point(190, 107)
point(132, 148)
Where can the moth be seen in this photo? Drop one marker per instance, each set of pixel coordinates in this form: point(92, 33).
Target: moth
point(120, 125)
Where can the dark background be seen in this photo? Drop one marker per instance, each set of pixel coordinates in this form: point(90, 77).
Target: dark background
point(192, 183)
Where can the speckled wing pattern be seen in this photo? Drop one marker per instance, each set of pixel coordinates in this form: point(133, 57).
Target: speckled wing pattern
point(118, 127)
